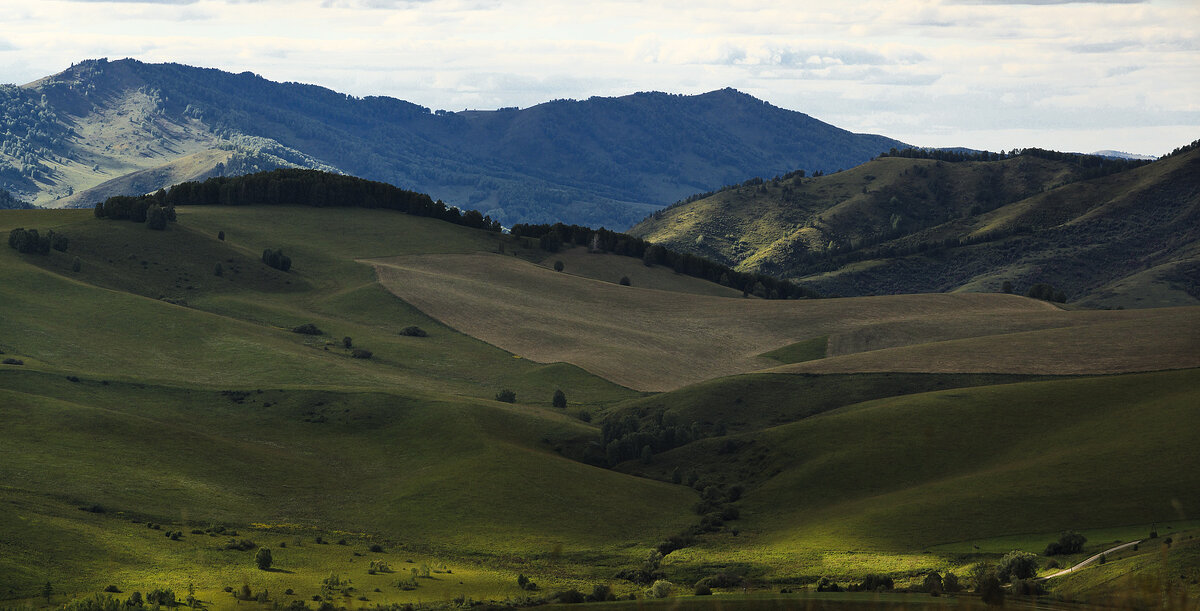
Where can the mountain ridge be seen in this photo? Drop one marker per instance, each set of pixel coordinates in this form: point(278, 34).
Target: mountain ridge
point(599, 161)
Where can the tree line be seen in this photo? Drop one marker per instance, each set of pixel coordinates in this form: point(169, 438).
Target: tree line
point(291, 186)
point(554, 237)
point(1090, 166)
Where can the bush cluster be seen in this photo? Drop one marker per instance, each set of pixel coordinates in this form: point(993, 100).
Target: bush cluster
point(276, 259)
point(29, 241)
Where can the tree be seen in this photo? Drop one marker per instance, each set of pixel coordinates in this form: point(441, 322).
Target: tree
point(560, 399)
point(263, 558)
point(1016, 565)
point(624, 281)
point(1069, 542)
point(950, 583)
point(507, 396)
point(156, 217)
point(933, 583)
point(1007, 287)
point(221, 235)
point(76, 265)
point(218, 270)
point(47, 591)
point(558, 266)
point(347, 343)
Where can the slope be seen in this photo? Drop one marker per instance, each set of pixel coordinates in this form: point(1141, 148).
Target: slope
point(601, 161)
point(898, 225)
point(873, 483)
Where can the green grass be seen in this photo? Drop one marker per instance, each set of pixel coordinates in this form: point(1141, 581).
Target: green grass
point(807, 350)
point(871, 486)
point(432, 474)
point(846, 474)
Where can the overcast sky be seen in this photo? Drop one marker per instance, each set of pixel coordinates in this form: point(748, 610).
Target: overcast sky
point(995, 74)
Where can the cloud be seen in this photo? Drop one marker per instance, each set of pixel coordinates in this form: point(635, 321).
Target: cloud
point(180, 2)
point(1049, 2)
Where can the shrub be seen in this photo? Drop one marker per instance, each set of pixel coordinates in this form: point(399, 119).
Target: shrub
point(661, 589)
point(569, 597)
point(1027, 587)
point(377, 548)
point(361, 353)
point(558, 266)
point(601, 593)
point(873, 583)
point(702, 590)
point(413, 331)
point(263, 559)
point(559, 400)
point(308, 329)
point(112, 588)
point(826, 584)
point(1016, 565)
point(218, 270)
point(156, 217)
point(950, 583)
point(347, 343)
point(1069, 542)
point(221, 235)
point(584, 415)
point(933, 583)
point(12, 361)
point(59, 242)
point(507, 396)
point(722, 580)
point(624, 281)
point(277, 260)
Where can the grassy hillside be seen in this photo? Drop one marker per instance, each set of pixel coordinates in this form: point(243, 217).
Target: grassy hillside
point(145, 389)
point(898, 225)
point(860, 485)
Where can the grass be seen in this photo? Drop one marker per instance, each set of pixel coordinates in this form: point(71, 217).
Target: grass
point(122, 402)
point(611, 268)
point(799, 352)
point(1098, 343)
point(387, 465)
point(874, 485)
point(641, 338)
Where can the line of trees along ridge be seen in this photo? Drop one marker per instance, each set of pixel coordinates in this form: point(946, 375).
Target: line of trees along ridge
point(551, 238)
point(298, 187)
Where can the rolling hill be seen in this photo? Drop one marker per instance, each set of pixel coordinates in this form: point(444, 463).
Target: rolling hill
point(145, 394)
point(900, 225)
point(80, 134)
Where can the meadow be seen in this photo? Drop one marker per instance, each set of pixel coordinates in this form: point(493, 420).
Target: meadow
point(155, 396)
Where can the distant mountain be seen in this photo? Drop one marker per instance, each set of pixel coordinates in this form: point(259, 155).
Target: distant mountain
point(1123, 155)
point(101, 128)
point(901, 225)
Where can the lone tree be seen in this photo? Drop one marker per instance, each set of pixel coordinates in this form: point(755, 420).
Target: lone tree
point(263, 558)
point(560, 399)
point(1069, 542)
point(1016, 565)
point(558, 266)
point(507, 396)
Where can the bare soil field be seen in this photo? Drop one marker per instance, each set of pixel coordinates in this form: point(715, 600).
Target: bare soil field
point(655, 340)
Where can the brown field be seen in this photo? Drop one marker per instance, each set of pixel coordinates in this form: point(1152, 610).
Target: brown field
point(1092, 342)
point(656, 340)
point(610, 268)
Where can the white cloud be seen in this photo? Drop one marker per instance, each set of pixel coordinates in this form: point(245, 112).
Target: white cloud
point(961, 68)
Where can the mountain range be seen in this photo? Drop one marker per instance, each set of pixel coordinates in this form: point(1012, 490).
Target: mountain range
point(125, 127)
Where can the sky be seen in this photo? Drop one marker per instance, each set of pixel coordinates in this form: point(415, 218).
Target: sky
point(986, 74)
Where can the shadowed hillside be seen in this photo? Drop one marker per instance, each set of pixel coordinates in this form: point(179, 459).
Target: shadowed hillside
point(899, 225)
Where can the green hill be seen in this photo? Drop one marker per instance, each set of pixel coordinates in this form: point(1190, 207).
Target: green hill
point(899, 225)
point(141, 388)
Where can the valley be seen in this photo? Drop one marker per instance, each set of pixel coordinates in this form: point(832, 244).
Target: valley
point(158, 379)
